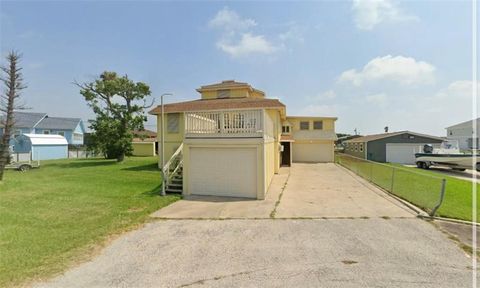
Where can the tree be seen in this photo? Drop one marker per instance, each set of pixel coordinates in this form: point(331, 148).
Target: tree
point(119, 105)
point(13, 80)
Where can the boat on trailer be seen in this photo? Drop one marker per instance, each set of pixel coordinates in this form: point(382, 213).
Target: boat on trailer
point(448, 155)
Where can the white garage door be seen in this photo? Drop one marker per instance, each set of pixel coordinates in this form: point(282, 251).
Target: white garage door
point(314, 152)
point(223, 172)
point(402, 153)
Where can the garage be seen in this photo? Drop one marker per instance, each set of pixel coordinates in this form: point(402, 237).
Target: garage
point(223, 172)
point(403, 153)
point(312, 152)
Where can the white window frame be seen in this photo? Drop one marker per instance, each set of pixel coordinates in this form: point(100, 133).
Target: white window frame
point(308, 125)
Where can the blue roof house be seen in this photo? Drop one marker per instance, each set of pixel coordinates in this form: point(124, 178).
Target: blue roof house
point(72, 129)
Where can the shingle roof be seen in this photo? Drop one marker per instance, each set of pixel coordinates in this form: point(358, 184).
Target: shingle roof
point(228, 84)
point(219, 104)
point(59, 123)
point(373, 137)
point(25, 119)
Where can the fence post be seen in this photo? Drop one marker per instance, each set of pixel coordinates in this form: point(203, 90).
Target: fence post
point(393, 177)
point(440, 201)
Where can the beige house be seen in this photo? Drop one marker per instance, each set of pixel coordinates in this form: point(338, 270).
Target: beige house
point(233, 140)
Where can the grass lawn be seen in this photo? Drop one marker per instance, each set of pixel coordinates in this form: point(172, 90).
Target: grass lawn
point(420, 187)
point(59, 214)
point(458, 195)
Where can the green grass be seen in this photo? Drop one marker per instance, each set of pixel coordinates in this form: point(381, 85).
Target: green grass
point(419, 187)
point(59, 214)
point(458, 194)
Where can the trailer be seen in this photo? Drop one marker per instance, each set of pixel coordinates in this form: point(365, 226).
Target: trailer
point(22, 166)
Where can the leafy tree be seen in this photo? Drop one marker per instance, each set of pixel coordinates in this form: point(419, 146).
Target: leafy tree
point(119, 105)
point(13, 80)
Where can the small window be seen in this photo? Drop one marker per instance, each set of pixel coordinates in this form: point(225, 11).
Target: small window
point(77, 137)
point(285, 129)
point(61, 133)
point(223, 93)
point(173, 122)
point(318, 125)
point(304, 125)
point(46, 132)
point(451, 133)
point(361, 147)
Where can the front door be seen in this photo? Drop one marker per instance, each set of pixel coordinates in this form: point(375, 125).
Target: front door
point(286, 161)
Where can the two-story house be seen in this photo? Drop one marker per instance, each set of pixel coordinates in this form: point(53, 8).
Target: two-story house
point(464, 134)
point(232, 140)
point(40, 123)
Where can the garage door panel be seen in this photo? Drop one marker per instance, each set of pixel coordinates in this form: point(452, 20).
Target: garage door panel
point(223, 172)
point(403, 153)
point(312, 152)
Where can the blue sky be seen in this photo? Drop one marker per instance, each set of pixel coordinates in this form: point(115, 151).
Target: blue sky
point(402, 64)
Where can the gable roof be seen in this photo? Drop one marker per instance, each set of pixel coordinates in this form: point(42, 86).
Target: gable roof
point(218, 104)
point(374, 137)
point(25, 119)
point(59, 123)
point(228, 84)
point(469, 122)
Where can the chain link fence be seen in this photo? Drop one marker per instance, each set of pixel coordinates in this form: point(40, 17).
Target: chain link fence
point(425, 192)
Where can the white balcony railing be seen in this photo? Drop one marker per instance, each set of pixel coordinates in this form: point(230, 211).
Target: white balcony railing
point(231, 123)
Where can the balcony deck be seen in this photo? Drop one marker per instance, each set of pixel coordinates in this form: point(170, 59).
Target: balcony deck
point(226, 124)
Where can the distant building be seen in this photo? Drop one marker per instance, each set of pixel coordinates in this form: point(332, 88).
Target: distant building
point(396, 147)
point(463, 133)
point(72, 129)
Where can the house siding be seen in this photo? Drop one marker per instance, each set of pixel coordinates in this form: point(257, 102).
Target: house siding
point(377, 149)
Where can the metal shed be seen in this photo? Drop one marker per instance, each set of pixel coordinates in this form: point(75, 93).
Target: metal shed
point(42, 147)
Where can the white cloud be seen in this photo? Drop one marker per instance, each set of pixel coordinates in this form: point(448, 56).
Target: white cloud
point(399, 69)
point(248, 44)
point(370, 13)
point(229, 20)
point(237, 37)
point(458, 90)
point(379, 99)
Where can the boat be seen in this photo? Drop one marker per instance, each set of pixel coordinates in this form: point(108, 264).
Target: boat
point(448, 155)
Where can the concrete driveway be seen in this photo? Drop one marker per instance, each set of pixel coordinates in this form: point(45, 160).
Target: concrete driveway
point(307, 191)
point(350, 235)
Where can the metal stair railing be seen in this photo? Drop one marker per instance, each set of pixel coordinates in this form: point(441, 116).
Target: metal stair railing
point(173, 165)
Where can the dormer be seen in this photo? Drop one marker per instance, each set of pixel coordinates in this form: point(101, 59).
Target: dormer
point(229, 89)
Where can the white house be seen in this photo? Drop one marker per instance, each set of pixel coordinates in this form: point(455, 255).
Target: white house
point(463, 133)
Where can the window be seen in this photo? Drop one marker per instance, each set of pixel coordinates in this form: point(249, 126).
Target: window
point(173, 120)
point(46, 132)
point(450, 133)
point(285, 129)
point(361, 147)
point(17, 133)
point(77, 137)
point(304, 125)
point(223, 93)
point(318, 125)
point(356, 147)
point(61, 133)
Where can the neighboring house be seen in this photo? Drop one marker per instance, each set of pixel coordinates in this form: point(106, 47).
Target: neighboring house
point(41, 146)
point(463, 133)
point(40, 123)
point(233, 140)
point(144, 143)
point(396, 147)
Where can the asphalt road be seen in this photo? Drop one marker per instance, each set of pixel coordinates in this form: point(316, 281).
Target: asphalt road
point(277, 253)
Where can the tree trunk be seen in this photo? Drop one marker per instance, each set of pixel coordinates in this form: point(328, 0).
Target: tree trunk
point(121, 157)
point(13, 84)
